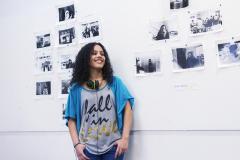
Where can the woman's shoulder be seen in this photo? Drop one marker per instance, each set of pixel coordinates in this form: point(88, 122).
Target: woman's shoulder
point(116, 79)
point(75, 86)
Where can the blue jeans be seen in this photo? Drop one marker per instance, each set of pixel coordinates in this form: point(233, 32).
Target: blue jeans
point(110, 155)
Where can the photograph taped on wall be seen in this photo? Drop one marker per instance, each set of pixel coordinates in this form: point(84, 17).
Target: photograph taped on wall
point(188, 57)
point(43, 40)
point(62, 111)
point(164, 30)
point(148, 63)
point(43, 63)
point(43, 89)
point(178, 4)
point(90, 29)
point(63, 85)
point(207, 21)
point(228, 52)
point(66, 13)
point(65, 63)
point(66, 36)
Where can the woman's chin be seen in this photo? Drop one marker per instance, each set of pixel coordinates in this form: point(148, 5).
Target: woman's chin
point(97, 67)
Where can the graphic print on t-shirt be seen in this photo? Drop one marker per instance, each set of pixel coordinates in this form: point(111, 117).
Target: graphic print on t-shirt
point(99, 125)
point(97, 116)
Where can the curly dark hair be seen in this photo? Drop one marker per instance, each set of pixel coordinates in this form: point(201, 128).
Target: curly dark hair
point(81, 66)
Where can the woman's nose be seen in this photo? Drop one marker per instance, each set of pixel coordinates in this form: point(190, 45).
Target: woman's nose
point(99, 54)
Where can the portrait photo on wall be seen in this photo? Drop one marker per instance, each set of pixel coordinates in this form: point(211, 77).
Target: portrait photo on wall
point(66, 62)
point(228, 52)
point(43, 88)
point(66, 36)
point(43, 63)
point(63, 84)
point(90, 30)
point(188, 58)
point(66, 12)
point(43, 41)
point(148, 63)
point(164, 30)
point(207, 21)
point(178, 4)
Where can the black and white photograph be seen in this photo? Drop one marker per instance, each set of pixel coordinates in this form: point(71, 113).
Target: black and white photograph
point(147, 63)
point(66, 12)
point(203, 22)
point(188, 58)
point(65, 83)
point(43, 88)
point(90, 30)
point(43, 41)
point(66, 62)
point(178, 4)
point(228, 53)
point(43, 63)
point(63, 111)
point(66, 36)
point(164, 30)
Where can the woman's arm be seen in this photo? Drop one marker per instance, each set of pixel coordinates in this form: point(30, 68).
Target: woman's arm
point(73, 131)
point(76, 142)
point(127, 125)
point(122, 144)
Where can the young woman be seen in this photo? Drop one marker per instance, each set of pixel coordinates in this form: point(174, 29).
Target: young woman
point(99, 107)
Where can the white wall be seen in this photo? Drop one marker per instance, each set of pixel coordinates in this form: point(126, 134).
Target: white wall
point(31, 129)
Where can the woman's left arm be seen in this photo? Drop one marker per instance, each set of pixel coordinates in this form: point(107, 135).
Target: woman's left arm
point(122, 144)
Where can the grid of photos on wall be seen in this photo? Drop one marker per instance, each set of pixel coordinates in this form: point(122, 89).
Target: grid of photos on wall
point(202, 22)
point(55, 51)
point(52, 54)
point(56, 54)
point(70, 29)
point(43, 63)
point(46, 62)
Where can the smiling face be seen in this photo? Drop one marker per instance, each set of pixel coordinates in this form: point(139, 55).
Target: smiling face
point(97, 58)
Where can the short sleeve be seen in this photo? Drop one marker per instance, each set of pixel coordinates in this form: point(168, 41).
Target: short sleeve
point(123, 95)
point(70, 111)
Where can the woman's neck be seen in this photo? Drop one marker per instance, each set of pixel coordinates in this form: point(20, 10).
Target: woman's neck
point(96, 75)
